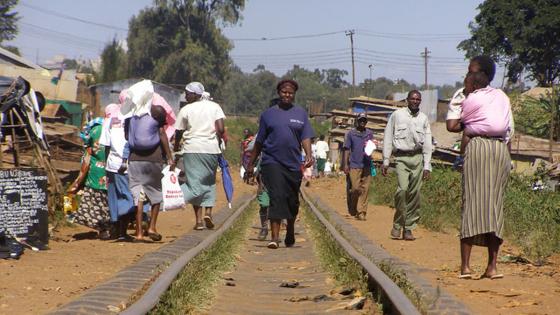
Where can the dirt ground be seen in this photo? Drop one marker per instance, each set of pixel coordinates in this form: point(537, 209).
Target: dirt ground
point(525, 289)
point(41, 281)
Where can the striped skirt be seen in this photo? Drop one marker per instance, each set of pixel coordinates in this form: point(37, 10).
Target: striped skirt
point(485, 174)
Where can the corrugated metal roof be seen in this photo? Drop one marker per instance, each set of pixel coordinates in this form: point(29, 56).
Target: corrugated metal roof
point(9, 57)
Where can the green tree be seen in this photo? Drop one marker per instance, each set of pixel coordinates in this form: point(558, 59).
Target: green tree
point(8, 20)
point(113, 63)
point(540, 116)
point(522, 34)
point(334, 78)
point(70, 63)
point(177, 41)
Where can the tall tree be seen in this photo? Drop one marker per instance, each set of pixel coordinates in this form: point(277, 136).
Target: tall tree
point(8, 20)
point(113, 63)
point(177, 41)
point(522, 34)
point(335, 78)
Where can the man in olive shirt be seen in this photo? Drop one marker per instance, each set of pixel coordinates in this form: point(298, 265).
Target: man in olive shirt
point(409, 139)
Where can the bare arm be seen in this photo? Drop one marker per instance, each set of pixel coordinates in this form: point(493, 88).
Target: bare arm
point(308, 155)
point(220, 129)
point(453, 125)
point(346, 161)
point(84, 169)
point(166, 149)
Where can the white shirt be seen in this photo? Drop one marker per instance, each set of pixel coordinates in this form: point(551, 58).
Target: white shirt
point(112, 135)
point(198, 122)
point(454, 108)
point(322, 148)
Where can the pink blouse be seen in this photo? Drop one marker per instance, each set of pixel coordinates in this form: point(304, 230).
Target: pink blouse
point(487, 112)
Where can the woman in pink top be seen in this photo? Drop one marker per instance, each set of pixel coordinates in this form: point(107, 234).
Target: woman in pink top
point(485, 112)
point(487, 164)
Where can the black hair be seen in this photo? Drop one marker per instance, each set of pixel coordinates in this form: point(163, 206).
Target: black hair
point(322, 137)
point(287, 81)
point(413, 92)
point(487, 66)
point(480, 79)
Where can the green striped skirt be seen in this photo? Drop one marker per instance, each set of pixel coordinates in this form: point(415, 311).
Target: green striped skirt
point(485, 174)
point(200, 171)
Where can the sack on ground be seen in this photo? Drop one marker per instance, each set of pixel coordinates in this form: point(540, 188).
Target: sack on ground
point(172, 193)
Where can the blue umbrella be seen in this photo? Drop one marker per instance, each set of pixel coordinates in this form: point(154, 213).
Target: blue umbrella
point(226, 179)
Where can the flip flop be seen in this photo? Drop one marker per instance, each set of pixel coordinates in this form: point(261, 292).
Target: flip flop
point(272, 245)
point(492, 277)
point(140, 240)
point(154, 236)
point(208, 221)
point(466, 276)
point(199, 226)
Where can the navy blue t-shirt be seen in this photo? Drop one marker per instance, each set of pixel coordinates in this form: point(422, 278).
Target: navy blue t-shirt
point(281, 132)
point(355, 141)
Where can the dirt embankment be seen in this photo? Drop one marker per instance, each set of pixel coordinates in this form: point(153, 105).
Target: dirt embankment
point(525, 289)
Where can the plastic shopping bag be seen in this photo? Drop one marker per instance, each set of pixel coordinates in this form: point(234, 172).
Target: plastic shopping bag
point(172, 193)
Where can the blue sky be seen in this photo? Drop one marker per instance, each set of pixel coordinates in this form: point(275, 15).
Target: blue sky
point(389, 35)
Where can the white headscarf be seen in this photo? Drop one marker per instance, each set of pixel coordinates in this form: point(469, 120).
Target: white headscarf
point(195, 87)
point(138, 99)
point(206, 96)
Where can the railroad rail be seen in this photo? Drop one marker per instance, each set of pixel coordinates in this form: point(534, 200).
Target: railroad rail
point(122, 294)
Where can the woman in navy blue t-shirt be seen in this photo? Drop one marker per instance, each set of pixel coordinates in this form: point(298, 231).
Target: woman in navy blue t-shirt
point(283, 130)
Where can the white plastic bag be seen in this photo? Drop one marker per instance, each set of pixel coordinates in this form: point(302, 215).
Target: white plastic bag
point(370, 147)
point(171, 190)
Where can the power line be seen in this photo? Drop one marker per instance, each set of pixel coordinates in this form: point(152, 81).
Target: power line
point(68, 17)
point(264, 38)
point(414, 34)
point(293, 54)
point(58, 33)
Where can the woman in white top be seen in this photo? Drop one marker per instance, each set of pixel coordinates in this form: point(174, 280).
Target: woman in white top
point(200, 125)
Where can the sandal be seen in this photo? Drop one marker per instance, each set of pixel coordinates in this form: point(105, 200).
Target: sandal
point(199, 226)
point(154, 236)
point(208, 221)
point(272, 245)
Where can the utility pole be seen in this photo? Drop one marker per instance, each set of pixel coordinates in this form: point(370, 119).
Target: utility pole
point(425, 55)
point(370, 79)
point(351, 34)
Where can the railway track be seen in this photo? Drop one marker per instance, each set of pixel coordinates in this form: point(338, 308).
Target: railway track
point(264, 281)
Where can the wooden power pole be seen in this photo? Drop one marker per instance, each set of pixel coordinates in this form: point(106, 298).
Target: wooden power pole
point(351, 34)
point(425, 54)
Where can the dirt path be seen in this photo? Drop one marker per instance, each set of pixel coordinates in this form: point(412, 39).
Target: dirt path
point(526, 289)
point(254, 287)
point(41, 281)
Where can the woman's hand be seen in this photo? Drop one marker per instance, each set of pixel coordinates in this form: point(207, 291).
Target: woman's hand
point(73, 189)
point(249, 173)
point(309, 160)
